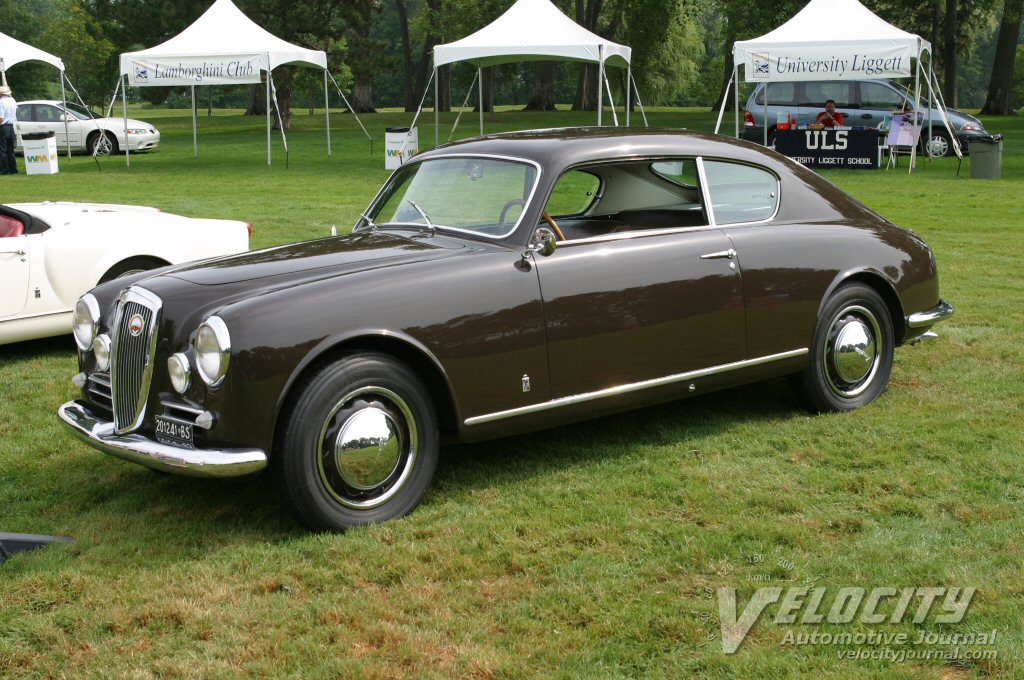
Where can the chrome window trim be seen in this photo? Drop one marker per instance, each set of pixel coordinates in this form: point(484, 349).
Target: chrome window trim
point(624, 235)
point(444, 228)
point(633, 387)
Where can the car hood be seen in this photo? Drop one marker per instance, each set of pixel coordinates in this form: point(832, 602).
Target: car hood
point(311, 260)
point(118, 123)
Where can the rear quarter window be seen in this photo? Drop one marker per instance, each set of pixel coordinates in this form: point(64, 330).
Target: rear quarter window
point(741, 193)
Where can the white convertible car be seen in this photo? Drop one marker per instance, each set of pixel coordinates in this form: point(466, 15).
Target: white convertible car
point(52, 253)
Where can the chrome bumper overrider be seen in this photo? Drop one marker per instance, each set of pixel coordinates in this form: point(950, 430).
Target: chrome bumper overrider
point(939, 312)
point(137, 449)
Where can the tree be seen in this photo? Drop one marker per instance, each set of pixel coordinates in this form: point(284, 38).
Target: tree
point(1000, 89)
point(89, 59)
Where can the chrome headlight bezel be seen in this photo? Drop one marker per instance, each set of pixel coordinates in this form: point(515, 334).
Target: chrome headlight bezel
point(85, 321)
point(180, 373)
point(212, 347)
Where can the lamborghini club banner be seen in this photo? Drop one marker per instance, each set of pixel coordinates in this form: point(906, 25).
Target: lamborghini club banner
point(821, 63)
point(220, 70)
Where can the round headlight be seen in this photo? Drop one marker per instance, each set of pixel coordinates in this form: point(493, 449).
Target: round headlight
point(85, 321)
point(213, 350)
point(101, 350)
point(181, 376)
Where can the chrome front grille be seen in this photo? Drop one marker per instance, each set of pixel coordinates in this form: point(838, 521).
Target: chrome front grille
point(131, 361)
point(98, 386)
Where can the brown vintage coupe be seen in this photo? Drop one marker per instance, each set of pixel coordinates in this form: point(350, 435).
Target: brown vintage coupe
point(496, 286)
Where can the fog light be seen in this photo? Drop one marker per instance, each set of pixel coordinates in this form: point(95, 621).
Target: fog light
point(101, 350)
point(181, 375)
point(205, 420)
point(79, 381)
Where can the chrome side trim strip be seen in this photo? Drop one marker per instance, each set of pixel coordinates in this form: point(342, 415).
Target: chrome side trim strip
point(633, 387)
point(939, 312)
point(99, 434)
point(37, 316)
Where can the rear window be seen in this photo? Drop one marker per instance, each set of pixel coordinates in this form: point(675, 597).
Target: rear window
point(779, 94)
point(816, 94)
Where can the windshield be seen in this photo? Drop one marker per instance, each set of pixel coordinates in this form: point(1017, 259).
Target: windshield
point(481, 195)
point(79, 113)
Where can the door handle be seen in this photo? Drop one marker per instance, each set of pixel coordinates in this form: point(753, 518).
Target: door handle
point(866, 116)
point(12, 252)
point(720, 255)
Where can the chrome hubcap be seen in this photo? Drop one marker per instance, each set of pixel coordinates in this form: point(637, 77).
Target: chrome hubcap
point(938, 146)
point(367, 447)
point(853, 352)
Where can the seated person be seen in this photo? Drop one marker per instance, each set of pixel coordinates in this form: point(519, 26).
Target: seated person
point(830, 117)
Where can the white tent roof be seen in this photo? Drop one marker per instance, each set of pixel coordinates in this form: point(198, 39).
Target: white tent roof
point(831, 40)
point(14, 52)
point(532, 30)
point(223, 30)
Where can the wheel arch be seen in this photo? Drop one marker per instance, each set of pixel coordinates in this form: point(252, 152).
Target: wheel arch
point(156, 260)
point(885, 290)
point(406, 350)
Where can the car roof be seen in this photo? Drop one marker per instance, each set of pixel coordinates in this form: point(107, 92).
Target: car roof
point(566, 147)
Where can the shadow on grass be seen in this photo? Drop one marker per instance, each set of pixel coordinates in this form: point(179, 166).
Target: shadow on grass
point(113, 506)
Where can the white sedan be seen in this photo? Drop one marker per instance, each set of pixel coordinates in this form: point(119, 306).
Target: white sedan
point(52, 253)
point(87, 132)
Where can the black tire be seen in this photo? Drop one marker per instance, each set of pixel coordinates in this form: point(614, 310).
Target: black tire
point(102, 144)
point(939, 145)
point(378, 407)
point(133, 265)
point(851, 358)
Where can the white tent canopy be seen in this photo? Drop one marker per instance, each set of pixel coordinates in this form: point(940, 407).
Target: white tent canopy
point(830, 40)
point(534, 30)
point(833, 40)
point(222, 47)
point(14, 52)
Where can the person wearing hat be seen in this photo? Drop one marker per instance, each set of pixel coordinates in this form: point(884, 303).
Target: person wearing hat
point(8, 138)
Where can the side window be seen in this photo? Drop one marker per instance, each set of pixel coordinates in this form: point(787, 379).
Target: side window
point(779, 94)
point(741, 193)
point(574, 193)
point(817, 93)
point(47, 114)
point(878, 96)
point(683, 173)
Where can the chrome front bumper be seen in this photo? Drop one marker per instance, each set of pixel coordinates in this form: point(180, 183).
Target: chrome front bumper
point(132, 447)
point(928, 317)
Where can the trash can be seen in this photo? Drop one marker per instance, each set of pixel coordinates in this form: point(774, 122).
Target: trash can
point(986, 157)
point(40, 153)
point(400, 144)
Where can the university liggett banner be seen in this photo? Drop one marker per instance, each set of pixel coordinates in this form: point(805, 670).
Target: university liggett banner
point(818, 63)
point(219, 70)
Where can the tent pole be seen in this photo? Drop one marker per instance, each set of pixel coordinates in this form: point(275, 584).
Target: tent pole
point(629, 74)
point(124, 105)
point(437, 112)
point(611, 101)
point(765, 126)
point(600, 77)
point(327, 112)
point(736, 95)
point(721, 109)
point(269, 158)
point(640, 103)
point(3, 72)
point(480, 77)
point(64, 99)
point(195, 135)
point(917, 124)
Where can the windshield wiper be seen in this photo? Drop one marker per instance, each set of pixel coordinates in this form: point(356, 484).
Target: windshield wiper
point(423, 214)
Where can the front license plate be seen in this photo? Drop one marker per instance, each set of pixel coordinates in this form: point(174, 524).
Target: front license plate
point(173, 432)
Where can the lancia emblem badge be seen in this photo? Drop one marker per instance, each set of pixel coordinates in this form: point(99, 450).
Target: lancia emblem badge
point(135, 325)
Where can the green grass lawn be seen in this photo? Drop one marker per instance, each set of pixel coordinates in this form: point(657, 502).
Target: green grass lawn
point(589, 551)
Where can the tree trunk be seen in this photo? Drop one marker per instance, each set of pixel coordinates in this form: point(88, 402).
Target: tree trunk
point(586, 96)
point(952, 92)
point(543, 88)
point(410, 69)
point(487, 84)
point(209, 101)
point(727, 70)
point(1000, 88)
point(257, 100)
point(362, 94)
point(444, 89)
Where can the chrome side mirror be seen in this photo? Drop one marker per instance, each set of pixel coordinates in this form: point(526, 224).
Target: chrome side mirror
point(543, 242)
